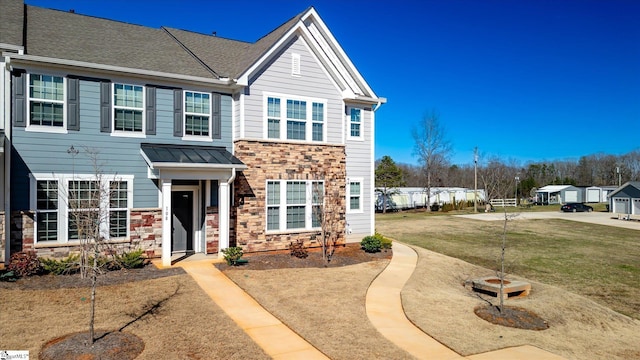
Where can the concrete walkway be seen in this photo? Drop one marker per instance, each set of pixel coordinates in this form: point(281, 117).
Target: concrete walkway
point(275, 338)
point(384, 309)
point(383, 305)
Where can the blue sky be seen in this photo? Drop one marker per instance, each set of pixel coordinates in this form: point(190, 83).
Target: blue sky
point(521, 80)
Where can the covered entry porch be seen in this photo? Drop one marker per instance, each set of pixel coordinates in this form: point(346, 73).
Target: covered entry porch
point(194, 183)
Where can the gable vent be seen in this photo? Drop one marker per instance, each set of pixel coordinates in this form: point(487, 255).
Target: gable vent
point(295, 64)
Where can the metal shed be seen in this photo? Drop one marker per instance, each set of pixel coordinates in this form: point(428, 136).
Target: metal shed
point(559, 194)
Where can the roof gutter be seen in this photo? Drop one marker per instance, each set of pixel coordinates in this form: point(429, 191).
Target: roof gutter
point(119, 69)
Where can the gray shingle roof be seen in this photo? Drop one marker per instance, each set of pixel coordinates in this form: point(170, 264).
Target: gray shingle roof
point(69, 36)
point(11, 20)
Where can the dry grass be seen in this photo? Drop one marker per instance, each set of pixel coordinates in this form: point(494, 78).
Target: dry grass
point(188, 326)
point(600, 262)
point(436, 301)
point(326, 306)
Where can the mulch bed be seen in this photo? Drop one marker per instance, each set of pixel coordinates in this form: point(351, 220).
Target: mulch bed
point(113, 345)
point(349, 254)
point(49, 282)
point(512, 316)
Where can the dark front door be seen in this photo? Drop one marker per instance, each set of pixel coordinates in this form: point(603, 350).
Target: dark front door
point(182, 223)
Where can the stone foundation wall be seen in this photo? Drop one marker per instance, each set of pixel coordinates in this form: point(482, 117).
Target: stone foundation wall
point(145, 230)
point(285, 161)
point(212, 231)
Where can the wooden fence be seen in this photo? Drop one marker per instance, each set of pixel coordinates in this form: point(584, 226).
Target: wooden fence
point(503, 202)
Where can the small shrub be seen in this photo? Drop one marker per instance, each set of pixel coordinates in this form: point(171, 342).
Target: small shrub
point(25, 263)
point(435, 207)
point(232, 255)
point(130, 260)
point(8, 276)
point(68, 265)
point(298, 249)
point(371, 244)
point(386, 243)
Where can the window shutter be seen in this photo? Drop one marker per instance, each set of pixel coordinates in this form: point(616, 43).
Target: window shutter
point(177, 112)
point(151, 110)
point(18, 101)
point(105, 107)
point(73, 104)
point(216, 116)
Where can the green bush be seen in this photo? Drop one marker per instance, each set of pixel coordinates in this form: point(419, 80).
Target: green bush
point(371, 244)
point(232, 255)
point(386, 243)
point(7, 276)
point(130, 260)
point(25, 263)
point(68, 265)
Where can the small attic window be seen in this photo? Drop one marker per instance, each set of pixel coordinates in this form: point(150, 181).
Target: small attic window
point(295, 64)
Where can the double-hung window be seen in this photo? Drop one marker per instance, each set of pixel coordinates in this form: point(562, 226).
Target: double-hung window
point(46, 101)
point(273, 118)
point(79, 207)
point(118, 209)
point(296, 119)
point(317, 119)
point(197, 114)
point(273, 205)
point(355, 123)
point(128, 108)
point(291, 118)
point(294, 204)
point(84, 209)
point(47, 210)
point(354, 195)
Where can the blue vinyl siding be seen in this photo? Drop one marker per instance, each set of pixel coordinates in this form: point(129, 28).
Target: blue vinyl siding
point(42, 152)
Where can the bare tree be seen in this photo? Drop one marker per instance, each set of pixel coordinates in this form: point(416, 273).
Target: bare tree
point(328, 213)
point(88, 200)
point(431, 147)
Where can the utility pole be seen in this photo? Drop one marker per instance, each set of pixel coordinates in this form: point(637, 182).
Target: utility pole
point(619, 176)
point(517, 179)
point(475, 179)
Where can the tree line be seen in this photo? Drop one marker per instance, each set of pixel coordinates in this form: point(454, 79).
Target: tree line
point(499, 177)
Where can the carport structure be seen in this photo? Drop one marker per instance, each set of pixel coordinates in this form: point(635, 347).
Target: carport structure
point(559, 194)
point(626, 199)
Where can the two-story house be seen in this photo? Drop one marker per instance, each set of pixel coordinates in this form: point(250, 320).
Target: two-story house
point(203, 142)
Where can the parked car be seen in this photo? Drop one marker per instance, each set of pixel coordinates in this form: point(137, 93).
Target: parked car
point(576, 207)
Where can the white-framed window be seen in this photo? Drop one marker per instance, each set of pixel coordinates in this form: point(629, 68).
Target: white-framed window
point(46, 210)
point(47, 102)
point(293, 205)
point(317, 121)
point(354, 116)
point(354, 195)
point(66, 204)
point(295, 118)
point(128, 109)
point(197, 115)
point(273, 118)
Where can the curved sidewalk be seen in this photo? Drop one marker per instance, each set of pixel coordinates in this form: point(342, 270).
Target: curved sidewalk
point(384, 309)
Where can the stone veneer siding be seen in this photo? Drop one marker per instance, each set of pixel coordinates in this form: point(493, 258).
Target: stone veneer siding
point(284, 161)
point(145, 232)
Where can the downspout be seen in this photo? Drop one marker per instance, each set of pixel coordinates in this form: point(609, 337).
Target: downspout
point(7, 160)
point(372, 194)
